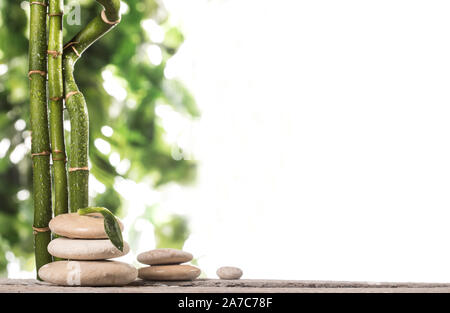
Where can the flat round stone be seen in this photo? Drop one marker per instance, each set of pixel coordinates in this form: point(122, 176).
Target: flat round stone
point(164, 256)
point(73, 225)
point(169, 272)
point(88, 273)
point(229, 272)
point(85, 249)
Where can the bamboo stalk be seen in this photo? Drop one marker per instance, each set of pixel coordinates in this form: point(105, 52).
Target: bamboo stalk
point(40, 145)
point(55, 88)
point(76, 103)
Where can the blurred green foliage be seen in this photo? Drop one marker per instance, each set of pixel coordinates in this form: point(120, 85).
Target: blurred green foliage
point(121, 57)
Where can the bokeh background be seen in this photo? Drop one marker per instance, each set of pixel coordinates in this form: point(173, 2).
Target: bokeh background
point(294, 139)
point(122, 78)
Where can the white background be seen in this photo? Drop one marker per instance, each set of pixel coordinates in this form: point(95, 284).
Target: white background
point(324, 143)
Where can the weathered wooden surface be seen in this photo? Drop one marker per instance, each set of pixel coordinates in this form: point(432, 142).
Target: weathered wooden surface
point(232, 286)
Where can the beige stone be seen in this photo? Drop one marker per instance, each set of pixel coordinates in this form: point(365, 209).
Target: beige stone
point(73, 225)
point(169, 272)
point(164, 256)
point(85, 249)
point(229, 272)
point(88, 273)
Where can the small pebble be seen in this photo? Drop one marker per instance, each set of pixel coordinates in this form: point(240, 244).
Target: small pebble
point(229, 272)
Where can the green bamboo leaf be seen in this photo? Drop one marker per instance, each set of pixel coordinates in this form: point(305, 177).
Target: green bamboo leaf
point(111, 224)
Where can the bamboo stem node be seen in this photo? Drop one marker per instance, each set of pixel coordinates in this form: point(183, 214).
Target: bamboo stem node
point(40, 230)
point(39, 3)
point(42, 73)
point(40, 153)
point(74, 169)
point(105, 19)
point(54, 53)
point(56, 98)
point(70, 94)
point(56, 14)
point(63, 158)
point(60, 159)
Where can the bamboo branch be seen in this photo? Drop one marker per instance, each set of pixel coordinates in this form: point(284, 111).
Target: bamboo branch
point(55, 88)
point(40, 145)
point(76, 103)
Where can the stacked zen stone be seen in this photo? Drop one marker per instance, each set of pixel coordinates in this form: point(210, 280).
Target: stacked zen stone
point(86, 247)
point(165, 264)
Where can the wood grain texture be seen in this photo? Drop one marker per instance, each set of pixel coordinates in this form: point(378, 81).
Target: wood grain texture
point(230, 286)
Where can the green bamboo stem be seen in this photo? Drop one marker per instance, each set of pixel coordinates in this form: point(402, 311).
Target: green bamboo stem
point(76, 103)
point(55, 90)
point(40, 145)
